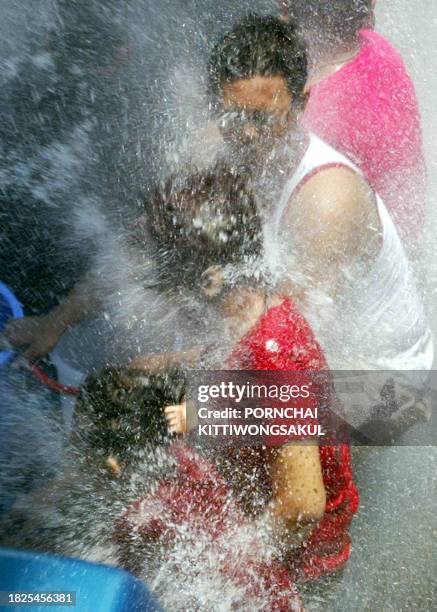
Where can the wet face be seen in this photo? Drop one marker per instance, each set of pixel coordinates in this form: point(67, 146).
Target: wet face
point(255, 114)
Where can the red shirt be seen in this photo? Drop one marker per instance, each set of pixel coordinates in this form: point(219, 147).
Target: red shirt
point(283, 340)
point(197, 495)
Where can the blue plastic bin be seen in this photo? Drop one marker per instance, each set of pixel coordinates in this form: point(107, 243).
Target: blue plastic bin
point(97, 588)
point(10, 308)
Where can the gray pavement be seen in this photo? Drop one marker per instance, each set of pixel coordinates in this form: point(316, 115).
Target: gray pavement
point(393, 566)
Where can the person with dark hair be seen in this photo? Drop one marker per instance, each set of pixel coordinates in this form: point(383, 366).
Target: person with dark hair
point(206, 232)
point(262, 60)
point(200, 220)
point(118, 416)
point(362, 102)
point(200, 225)
point(237, 55)
point(327, 224)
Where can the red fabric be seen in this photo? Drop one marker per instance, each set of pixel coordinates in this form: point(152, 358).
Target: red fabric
point(49, 382)
point(368, 111)
point(195, 494)
point(267, 346)
point(283, 340)
point(197, 497)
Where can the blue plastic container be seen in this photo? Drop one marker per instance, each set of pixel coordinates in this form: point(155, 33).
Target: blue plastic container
point(97, 588)
point(10, 308)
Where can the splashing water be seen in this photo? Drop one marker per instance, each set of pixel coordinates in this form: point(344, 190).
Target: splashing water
point(84, 133)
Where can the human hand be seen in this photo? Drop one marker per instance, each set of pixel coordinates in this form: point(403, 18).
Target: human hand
point(177, 418)
point(212, 281)
point(37, 335)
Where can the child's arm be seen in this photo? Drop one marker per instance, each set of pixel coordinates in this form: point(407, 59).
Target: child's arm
point(39, 335)
point(299, 495)
point(160, 362)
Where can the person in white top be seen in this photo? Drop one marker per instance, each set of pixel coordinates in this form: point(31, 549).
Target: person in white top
point(329, 237)
point(326, 230)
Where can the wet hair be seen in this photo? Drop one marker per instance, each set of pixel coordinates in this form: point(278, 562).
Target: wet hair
point(120, 415)
point(259, 46)
point(334, 22)
point(203, 219)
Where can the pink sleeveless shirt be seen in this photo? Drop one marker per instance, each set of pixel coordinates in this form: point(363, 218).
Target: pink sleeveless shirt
point(368, 111)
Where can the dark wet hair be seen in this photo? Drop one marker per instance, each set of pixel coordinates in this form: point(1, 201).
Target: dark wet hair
point(203, 219)
point(336, 21)
point(120, 415)
point(259, 46)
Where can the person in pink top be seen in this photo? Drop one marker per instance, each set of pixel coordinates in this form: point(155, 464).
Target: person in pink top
point(362, 102)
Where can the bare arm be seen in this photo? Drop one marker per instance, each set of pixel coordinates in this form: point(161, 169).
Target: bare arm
point(299, 495)
point(82, 302)
point(330, 224)
point(39, 335)
point(161, 362)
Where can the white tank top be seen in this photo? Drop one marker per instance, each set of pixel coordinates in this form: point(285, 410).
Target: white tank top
point(378, 323)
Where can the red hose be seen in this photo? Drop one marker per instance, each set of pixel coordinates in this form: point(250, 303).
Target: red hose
point(50, 383)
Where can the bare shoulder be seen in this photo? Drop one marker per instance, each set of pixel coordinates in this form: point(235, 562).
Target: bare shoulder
point(338, 192)
point(335, 210)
